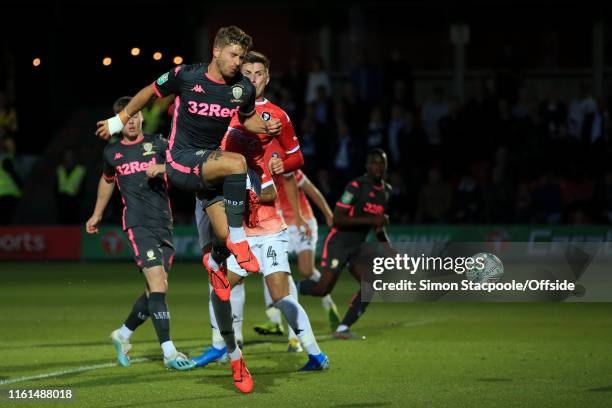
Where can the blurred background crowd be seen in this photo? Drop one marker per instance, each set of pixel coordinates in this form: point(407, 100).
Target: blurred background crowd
point(521, 135)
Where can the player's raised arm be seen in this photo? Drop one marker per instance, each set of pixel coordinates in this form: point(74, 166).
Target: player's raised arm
point(315, 195)
point(108, 127)
point(292, 190)
point(167, 84)
point(106, 186)
point(293, 158)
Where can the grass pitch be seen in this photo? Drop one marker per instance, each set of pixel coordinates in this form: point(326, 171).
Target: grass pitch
point(55, 321)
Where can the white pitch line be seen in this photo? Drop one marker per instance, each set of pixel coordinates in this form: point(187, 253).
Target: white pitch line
point(143, 359)
point(64, 372)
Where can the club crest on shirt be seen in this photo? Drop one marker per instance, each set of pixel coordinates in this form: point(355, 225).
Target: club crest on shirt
point(148, 149)
point(237, 92)
point(266, 116)
point(150, 255)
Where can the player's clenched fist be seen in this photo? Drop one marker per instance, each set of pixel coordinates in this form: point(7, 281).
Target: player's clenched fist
point(156, 169)
point(276, 166)
point(92, 224)
point(273, 127)
point(107, 128)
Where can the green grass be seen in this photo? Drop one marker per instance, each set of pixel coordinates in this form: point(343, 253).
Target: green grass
point(57, 317)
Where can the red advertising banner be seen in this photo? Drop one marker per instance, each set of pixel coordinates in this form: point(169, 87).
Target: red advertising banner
point(40, 243)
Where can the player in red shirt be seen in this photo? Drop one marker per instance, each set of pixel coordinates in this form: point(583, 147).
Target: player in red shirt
point(266, 233)
point(294, 190)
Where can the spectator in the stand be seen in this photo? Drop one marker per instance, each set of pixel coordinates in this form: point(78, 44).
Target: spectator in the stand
point(289, 105)
point(8, 116)
point(400, 204)
point(467, 201)
point(435, 199)
point(397, 132)
point(581, 108)
point(434, 110)
point(155, 115)
point(546, 200)
point(365, 79)
point(397, 80)
point(600, 124)
point(375, 136)
point(345, 156)
point(554, 115)
point(308, 146)
point(294, 80)
point(355, 114)
point(400, 96)
point(322, 108)
point(317, 77)
point(10, 182)
point(70, 182)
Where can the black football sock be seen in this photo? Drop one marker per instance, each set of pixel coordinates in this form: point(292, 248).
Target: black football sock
point(234, 192)
point(306, 286)
point(356, 308)
point(160, 316)
point(139, 313)
point(223, 314)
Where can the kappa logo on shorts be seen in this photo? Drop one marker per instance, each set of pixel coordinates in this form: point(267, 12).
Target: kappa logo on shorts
point(200, 153)
point(151, 255)
point(272, 254)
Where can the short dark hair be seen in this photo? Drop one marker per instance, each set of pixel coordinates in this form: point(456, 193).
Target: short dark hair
point(121, 103)
point(377, 151)
point(253, 57)
point(232, 35)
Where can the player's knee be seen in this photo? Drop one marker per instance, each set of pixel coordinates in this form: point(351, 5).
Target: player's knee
point(237, 164)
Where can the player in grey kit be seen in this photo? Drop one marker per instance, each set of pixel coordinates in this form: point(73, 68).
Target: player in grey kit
point(147, 222)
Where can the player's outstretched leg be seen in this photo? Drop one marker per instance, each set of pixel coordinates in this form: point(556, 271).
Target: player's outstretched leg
point(357, 307)
point(217, 352)
point(296, 317)
point(328, 303)
point(121, 336)
point(274, 324)
point(223, 313)
point(231, 168)
point(294, 345)
point(160, 317)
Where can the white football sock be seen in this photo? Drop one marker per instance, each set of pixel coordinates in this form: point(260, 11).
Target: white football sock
point(217, 339)
point(168, 348)
point(237, 234)
point(316, 275)
point(237, 298)
point(298, 319)
point(125, 332)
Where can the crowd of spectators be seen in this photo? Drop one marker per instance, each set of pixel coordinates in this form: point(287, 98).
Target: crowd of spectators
point(500, 156)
